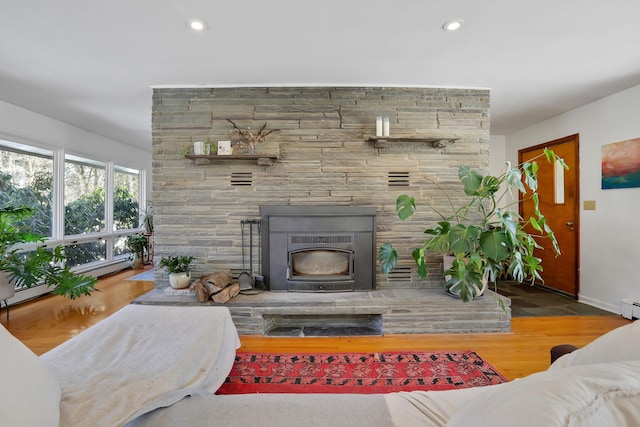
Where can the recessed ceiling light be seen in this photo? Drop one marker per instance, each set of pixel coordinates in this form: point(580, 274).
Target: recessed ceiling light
point(196, 24)
point(453, 25)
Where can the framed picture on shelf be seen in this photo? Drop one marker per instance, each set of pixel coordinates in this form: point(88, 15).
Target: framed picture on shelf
point(224, 148)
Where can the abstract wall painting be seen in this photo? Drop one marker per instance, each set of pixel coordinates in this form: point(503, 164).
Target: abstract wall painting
point(621, 164)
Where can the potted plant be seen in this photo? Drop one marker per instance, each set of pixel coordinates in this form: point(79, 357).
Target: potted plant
point(485, 239)
point(43, 265)
point(137, 244)
point(147, 219)
point(178, 269)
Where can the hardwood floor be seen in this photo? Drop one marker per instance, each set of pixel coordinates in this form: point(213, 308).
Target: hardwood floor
point(48, 321)
point(43, 323)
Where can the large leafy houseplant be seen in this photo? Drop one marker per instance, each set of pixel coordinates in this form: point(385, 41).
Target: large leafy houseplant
point(483, 235)
point(43, 265)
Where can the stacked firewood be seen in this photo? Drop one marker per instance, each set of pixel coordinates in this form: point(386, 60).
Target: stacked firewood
point(217, 287)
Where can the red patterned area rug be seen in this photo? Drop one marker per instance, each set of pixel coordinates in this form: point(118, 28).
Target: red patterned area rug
point(358, 372)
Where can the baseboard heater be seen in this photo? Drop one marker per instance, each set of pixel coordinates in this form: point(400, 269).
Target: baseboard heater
point(631, 308)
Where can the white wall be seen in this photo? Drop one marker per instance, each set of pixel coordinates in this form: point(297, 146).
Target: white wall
point(610, 235)
point(24, 126)
point(497, 154)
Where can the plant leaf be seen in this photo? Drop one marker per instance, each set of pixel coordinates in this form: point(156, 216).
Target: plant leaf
point(72, 285)
point(463, 239)
point(535, 224)
point(471, 180)
point(405, 206)
point(419, 256)
point(388, 258)
point(495, 245)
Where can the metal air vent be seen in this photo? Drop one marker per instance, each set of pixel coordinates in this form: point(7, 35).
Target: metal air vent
point(321, 287)
point(400, 274)
point(320, 239)
point(398, 179)
point(242, 179)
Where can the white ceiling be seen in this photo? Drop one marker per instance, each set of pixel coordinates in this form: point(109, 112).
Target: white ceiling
point(93, 63)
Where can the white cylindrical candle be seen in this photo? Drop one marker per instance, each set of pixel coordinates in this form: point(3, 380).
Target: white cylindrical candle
point(198, 147)
point(379, 126)
point(385, 131)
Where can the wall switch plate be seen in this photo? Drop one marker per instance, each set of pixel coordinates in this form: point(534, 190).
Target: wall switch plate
point(589, 205)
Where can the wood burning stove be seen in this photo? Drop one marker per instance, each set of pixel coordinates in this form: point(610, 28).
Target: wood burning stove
point(318, 248)
point(320, 258)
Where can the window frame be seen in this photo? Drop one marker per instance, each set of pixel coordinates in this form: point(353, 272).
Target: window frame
point(58, 237)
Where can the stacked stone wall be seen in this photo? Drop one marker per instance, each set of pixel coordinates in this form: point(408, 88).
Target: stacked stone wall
point(324, 158)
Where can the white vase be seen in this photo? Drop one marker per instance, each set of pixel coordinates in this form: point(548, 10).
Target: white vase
point(7, 290)
point(179, 280)
point(447, 263)
point(137, 263)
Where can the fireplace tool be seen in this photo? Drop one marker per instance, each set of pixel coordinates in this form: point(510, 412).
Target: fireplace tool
point(246, 278)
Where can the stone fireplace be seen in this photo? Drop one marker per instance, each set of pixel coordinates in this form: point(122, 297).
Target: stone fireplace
point(319, 248)
point(324, 155)
point(324, 159)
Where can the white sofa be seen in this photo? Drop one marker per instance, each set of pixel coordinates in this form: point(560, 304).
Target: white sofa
point(105, 374)
point(598, 385)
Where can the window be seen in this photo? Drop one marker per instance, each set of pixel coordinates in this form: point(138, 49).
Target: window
point(84, 196)
point(26, 178)
point(120, 246)
point(88, 206)
point(126, 210)
point(85, 253)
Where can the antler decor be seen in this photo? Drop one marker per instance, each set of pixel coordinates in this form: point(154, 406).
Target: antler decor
point(249, 137)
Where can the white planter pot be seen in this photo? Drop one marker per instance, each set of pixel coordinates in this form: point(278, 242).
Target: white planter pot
point(447, 263)
point(179, 280)
point(137, 263)
point(7, 289)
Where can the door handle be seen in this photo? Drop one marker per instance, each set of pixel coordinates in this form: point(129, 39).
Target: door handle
point(570, 224)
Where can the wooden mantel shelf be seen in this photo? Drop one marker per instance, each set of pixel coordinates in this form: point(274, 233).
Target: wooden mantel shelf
point(436, 142)
point(260, 159)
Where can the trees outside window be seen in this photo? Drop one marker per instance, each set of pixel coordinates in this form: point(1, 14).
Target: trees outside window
point(85, 202)
point(126, 209)
point(27, 178)
point(101, 201)
point(85, 253)
point(84, 197)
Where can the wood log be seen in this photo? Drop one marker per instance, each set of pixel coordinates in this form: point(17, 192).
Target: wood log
point(202, 293)
point(210, 287)
point(217, 282)
point(227, 293)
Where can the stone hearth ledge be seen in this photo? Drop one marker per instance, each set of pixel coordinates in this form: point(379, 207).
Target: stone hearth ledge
point(403, 311)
